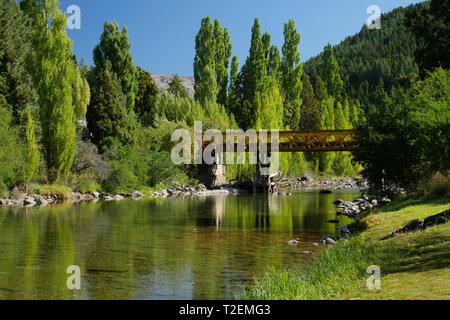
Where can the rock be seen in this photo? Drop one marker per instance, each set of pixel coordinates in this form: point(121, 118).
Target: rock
point(315, 244)
point(119, 197)
point(40, 201)
point(328, 240)
point(29, 202)
point(326, 192)
point(201, 187)
point(137, 195)
point(437, 219)
point(307, 252)
point(95, 195)
point(338, 202)
point(294, 242)
point(333, 221)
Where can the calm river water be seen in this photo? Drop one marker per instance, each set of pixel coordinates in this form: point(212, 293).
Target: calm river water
point(200, 248)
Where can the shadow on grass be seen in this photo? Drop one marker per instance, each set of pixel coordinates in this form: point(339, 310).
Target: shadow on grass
point(418, 252)
point(413, 201)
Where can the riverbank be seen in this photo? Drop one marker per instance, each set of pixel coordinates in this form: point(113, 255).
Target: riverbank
point(50, 194)
point(309, 183)
point(413, 265)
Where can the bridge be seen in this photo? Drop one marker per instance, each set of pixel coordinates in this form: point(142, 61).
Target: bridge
point(288, 141)
point(297, 141)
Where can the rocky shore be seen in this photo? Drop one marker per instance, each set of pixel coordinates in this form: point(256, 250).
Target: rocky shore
point(37, 200)
point(177, 191)
point(353, 210)
point(308, 183)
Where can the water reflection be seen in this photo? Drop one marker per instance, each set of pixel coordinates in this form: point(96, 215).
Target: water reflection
point(202, 248)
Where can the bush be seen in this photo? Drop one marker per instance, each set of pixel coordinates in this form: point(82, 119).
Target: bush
point(408, 140)
point(437, 187)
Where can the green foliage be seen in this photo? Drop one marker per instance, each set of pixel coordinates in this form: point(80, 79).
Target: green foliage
point(81, 94)
point(291, 73)
point(310, 111)
point(411, 129)
point(223, 51)
point(107, 115)
point(371, 55)
point(54, 73)
point(15, 52)
point(147, 93)
point(206, 87)
point(176, 88)
point(10, 154)
point(113, 52)
point(431, 24)
point(32, 155)
point(330, 72)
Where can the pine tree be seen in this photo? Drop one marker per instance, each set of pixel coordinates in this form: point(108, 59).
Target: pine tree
point(107, 115)
point(176, 88)
point(54, 74)
point(291, 73)
point(310, 111)
point(206, 86)
point(330, 72)
point(114, 47)
point(144, 106)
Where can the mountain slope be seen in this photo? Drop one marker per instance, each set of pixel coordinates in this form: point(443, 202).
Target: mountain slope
point(375, 58)
point(162, 82)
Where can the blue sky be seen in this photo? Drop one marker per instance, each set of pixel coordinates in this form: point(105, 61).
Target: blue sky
point(162, 32)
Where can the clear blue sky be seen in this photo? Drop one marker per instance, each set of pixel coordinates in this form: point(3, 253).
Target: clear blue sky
point(162, 32)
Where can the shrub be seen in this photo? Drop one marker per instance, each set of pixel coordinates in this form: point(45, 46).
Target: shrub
point(437, 187)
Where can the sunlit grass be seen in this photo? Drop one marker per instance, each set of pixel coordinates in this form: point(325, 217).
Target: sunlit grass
point(413, 266)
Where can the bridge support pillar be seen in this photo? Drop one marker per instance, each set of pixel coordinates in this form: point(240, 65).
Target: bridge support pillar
point(261, 180)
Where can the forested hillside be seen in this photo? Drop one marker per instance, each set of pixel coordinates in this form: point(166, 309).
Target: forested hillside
point(374, 59)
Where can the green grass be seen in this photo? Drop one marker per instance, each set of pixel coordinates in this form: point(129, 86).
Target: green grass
point(413, 266)
point(61, 191)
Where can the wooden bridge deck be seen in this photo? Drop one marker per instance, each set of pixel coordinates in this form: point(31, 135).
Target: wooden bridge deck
point(291, 141)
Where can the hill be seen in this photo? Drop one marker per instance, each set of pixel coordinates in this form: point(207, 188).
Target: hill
point(373, 59)
point(162, 82)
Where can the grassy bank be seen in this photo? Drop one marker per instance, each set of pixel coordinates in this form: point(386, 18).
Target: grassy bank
point(413, 266)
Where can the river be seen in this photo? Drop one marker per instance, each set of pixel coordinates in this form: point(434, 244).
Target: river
point(196, 248)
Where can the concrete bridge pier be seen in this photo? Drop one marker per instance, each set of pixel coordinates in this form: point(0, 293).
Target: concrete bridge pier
point(262, 178)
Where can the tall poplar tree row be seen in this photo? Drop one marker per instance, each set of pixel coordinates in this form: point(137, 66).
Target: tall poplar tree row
point(55, 73)
point(291, 73)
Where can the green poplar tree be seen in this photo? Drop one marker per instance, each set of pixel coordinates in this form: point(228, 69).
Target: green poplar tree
point(54, 74)
point(223, 50)
point(206, 86)
point(32, 155)
point(291, 73)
